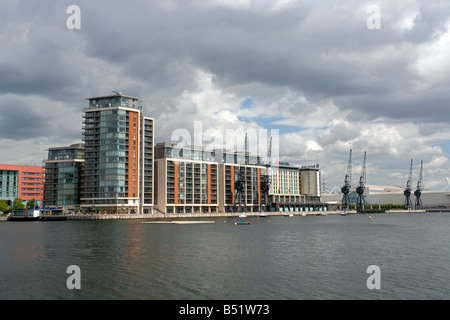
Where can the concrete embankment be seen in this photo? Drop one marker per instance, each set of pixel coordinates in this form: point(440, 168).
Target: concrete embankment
point(405, 211)
point(214, 215)
point(194, 215)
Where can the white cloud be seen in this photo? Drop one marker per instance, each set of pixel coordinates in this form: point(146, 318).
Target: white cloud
point(432, 63)
point(233, 4)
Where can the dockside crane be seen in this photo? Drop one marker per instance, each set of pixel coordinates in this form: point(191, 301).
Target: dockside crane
point(407, 192)
point(347, 183)
point(362, 185)
point(239, 184)
point(419, 189)
point(265, 181)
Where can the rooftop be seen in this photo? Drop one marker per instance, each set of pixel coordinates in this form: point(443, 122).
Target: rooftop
point(115, 95)
point(118, 99)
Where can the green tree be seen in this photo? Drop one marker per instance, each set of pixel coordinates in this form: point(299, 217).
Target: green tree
point(31, 204)
point(4, 206)
point(18, 204)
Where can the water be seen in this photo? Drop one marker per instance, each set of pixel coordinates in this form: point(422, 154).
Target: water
point(286, 259)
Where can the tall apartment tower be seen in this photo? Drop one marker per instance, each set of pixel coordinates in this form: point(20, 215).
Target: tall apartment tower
point(118, 155)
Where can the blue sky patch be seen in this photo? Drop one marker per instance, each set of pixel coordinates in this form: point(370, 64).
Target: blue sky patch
point(269, 123)
point(445, 147)
point(247, 103)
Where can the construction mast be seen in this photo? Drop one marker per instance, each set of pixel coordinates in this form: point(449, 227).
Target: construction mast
point(419, 189)
point(362, 185)
point(347, 183)
point(407, 192)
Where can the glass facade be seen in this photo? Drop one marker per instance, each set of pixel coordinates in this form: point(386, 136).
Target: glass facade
point(9, 181)
point(63, 176)
point(119, 155)
point(106, 137)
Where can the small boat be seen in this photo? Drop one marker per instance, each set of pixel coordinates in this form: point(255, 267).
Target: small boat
point(263, 215)
point(242, 223)
point(242, 215)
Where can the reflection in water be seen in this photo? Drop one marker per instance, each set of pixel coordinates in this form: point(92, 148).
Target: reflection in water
point(297, 258)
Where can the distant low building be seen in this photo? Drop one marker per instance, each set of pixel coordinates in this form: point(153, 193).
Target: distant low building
point(24, 182)
point(381, 194)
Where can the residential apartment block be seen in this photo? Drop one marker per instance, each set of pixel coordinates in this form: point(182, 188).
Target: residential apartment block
point(240, 177)
point(118, 155)
point(190, 180)
point(25, 182)
point(186, 179)
point(64, 174)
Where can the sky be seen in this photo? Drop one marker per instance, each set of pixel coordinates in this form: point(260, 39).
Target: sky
point(324, 76)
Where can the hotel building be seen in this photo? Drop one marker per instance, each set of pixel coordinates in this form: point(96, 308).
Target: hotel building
point(118, 155)
point(64, 173)
point(294, 188)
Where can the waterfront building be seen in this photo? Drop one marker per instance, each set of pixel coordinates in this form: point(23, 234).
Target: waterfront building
point(294, 188)
point(240, 177)
point(24, 182)
point(118, 155)
point(186, 179)
point(64, 172)
point(310, 182)
point(285, 187)
point(191, 179)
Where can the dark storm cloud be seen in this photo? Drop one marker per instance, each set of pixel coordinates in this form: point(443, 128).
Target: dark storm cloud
point(299, 47)
point(22, 118)
point(323, 50)
point(36, 56)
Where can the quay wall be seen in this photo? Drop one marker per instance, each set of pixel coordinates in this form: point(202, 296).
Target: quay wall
point(214, 215)
point(193, 215)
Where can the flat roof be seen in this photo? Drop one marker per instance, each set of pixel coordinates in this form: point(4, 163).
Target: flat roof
point(117, 94)
point(72, 146)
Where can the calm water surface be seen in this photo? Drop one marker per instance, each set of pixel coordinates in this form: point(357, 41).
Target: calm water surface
point(288, 258)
